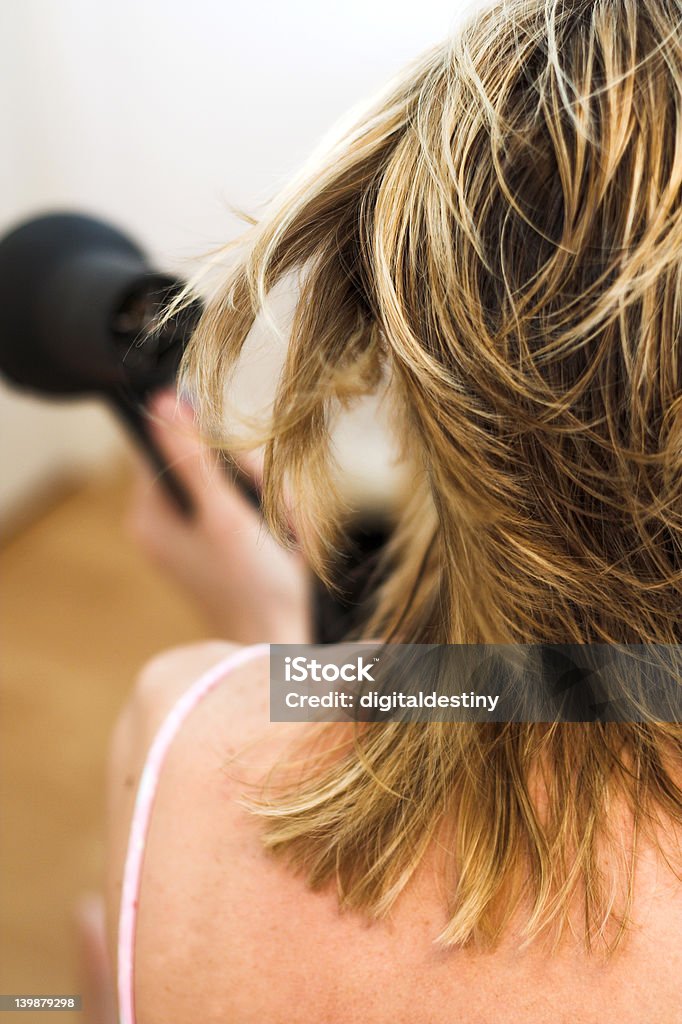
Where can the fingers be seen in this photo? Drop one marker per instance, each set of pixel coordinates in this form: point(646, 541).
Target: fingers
point(252, 464)
point(245, 472)
point(172, 426)
point(196, 467)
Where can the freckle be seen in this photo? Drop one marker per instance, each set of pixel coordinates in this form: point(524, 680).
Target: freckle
point(129, 781)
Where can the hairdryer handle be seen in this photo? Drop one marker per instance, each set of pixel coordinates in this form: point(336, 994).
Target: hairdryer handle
point(132, 411)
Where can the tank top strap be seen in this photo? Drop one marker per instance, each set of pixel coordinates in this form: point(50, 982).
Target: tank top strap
point(144, 802)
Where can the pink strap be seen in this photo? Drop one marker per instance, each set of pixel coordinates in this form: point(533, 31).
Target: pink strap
point(144, 803)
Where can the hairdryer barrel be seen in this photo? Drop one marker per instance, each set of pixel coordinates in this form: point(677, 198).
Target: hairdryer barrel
point(80, 308)
point(79, 300)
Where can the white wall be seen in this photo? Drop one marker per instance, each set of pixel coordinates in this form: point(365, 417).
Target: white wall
point(157, 114)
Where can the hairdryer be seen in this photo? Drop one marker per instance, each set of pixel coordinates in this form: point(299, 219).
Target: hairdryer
point(79, 307)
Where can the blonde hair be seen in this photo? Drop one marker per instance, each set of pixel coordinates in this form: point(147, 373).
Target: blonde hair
point(501, 237)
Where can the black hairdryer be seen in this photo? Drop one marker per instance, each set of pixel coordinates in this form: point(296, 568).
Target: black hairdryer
point(79, 306)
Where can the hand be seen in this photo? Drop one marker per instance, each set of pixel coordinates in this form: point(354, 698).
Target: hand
point(248, 586)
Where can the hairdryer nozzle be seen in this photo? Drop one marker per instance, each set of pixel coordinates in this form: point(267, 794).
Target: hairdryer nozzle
point(80, 306)
point(81, 311)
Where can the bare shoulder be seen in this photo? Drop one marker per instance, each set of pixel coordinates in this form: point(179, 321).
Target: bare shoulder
point(163, 679)
point(203, 853)
point(237, 710)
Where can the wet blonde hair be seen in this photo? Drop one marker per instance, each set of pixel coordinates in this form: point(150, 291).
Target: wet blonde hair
point(501, 238)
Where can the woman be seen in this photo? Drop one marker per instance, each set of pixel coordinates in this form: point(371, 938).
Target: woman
point(499, 242)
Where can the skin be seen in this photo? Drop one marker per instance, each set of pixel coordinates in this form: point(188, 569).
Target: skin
point(249, 588)
point(229, 933)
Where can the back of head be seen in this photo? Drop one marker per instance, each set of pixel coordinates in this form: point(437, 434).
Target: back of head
point(501, 237)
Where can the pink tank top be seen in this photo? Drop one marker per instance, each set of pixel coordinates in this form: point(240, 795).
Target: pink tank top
point(144, 803)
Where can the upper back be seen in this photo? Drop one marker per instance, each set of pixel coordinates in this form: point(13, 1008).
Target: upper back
point(228, 932)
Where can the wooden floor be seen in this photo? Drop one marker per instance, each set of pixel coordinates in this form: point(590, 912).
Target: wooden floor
point(81, 611)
